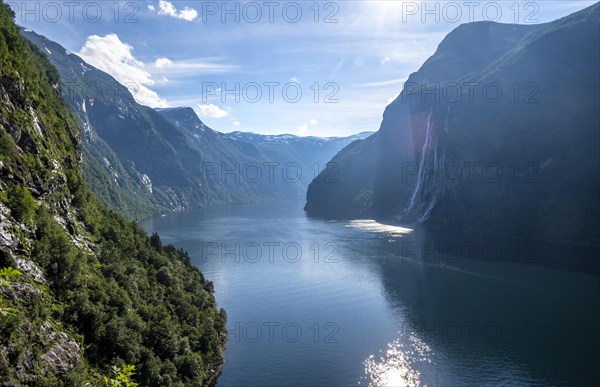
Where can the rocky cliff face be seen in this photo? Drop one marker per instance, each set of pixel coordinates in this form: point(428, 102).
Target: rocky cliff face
point(496, 134)
point(38, 143)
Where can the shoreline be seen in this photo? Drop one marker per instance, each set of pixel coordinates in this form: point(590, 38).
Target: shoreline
point(217, 365)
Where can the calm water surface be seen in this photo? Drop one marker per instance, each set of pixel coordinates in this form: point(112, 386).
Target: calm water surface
point(342, 303)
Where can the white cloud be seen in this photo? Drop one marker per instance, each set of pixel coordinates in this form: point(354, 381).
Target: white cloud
point(302, 129)
point(196, 66)
point(382, 83)
point(168, 9)
point(212, 111)
point(163, 62)
point(109, 54)
point(385, 60)
point(151, 8)
point(294, 79)
point(236, 122)
point(148, 97)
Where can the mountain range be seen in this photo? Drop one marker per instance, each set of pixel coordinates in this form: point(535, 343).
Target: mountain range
point(143, 161)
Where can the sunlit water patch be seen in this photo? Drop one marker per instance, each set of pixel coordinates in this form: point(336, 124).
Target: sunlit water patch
point(376, 227)
point(397, 366)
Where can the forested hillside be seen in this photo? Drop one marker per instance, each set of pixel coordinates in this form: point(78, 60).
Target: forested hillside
point(82, 290)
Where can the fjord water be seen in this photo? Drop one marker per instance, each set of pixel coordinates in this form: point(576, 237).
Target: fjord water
point(313, 302)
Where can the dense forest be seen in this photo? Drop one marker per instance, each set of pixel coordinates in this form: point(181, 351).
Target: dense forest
point(85, 295)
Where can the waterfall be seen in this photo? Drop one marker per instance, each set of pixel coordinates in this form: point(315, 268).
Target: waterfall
point(420, 177)
point(429, 187)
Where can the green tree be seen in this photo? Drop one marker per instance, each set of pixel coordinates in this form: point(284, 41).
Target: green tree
point(156, 242)
point(21, 203)
point(7, 274)
point(122, 376)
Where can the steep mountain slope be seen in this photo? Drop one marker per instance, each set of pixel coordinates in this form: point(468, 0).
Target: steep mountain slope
point(136, 160)
point(453, 154)
point(377, 162)
point(81, 289)
point(115, 128)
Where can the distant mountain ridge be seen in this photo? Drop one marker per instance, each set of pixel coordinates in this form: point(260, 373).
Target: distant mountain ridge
point(541, 138)
point(256, 138)
point(311, 155)
point(292, 161)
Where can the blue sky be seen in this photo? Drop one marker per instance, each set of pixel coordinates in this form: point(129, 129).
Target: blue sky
point(305, 67)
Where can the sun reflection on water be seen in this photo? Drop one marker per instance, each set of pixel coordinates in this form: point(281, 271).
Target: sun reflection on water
point(397, 365)
point(374, 226)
